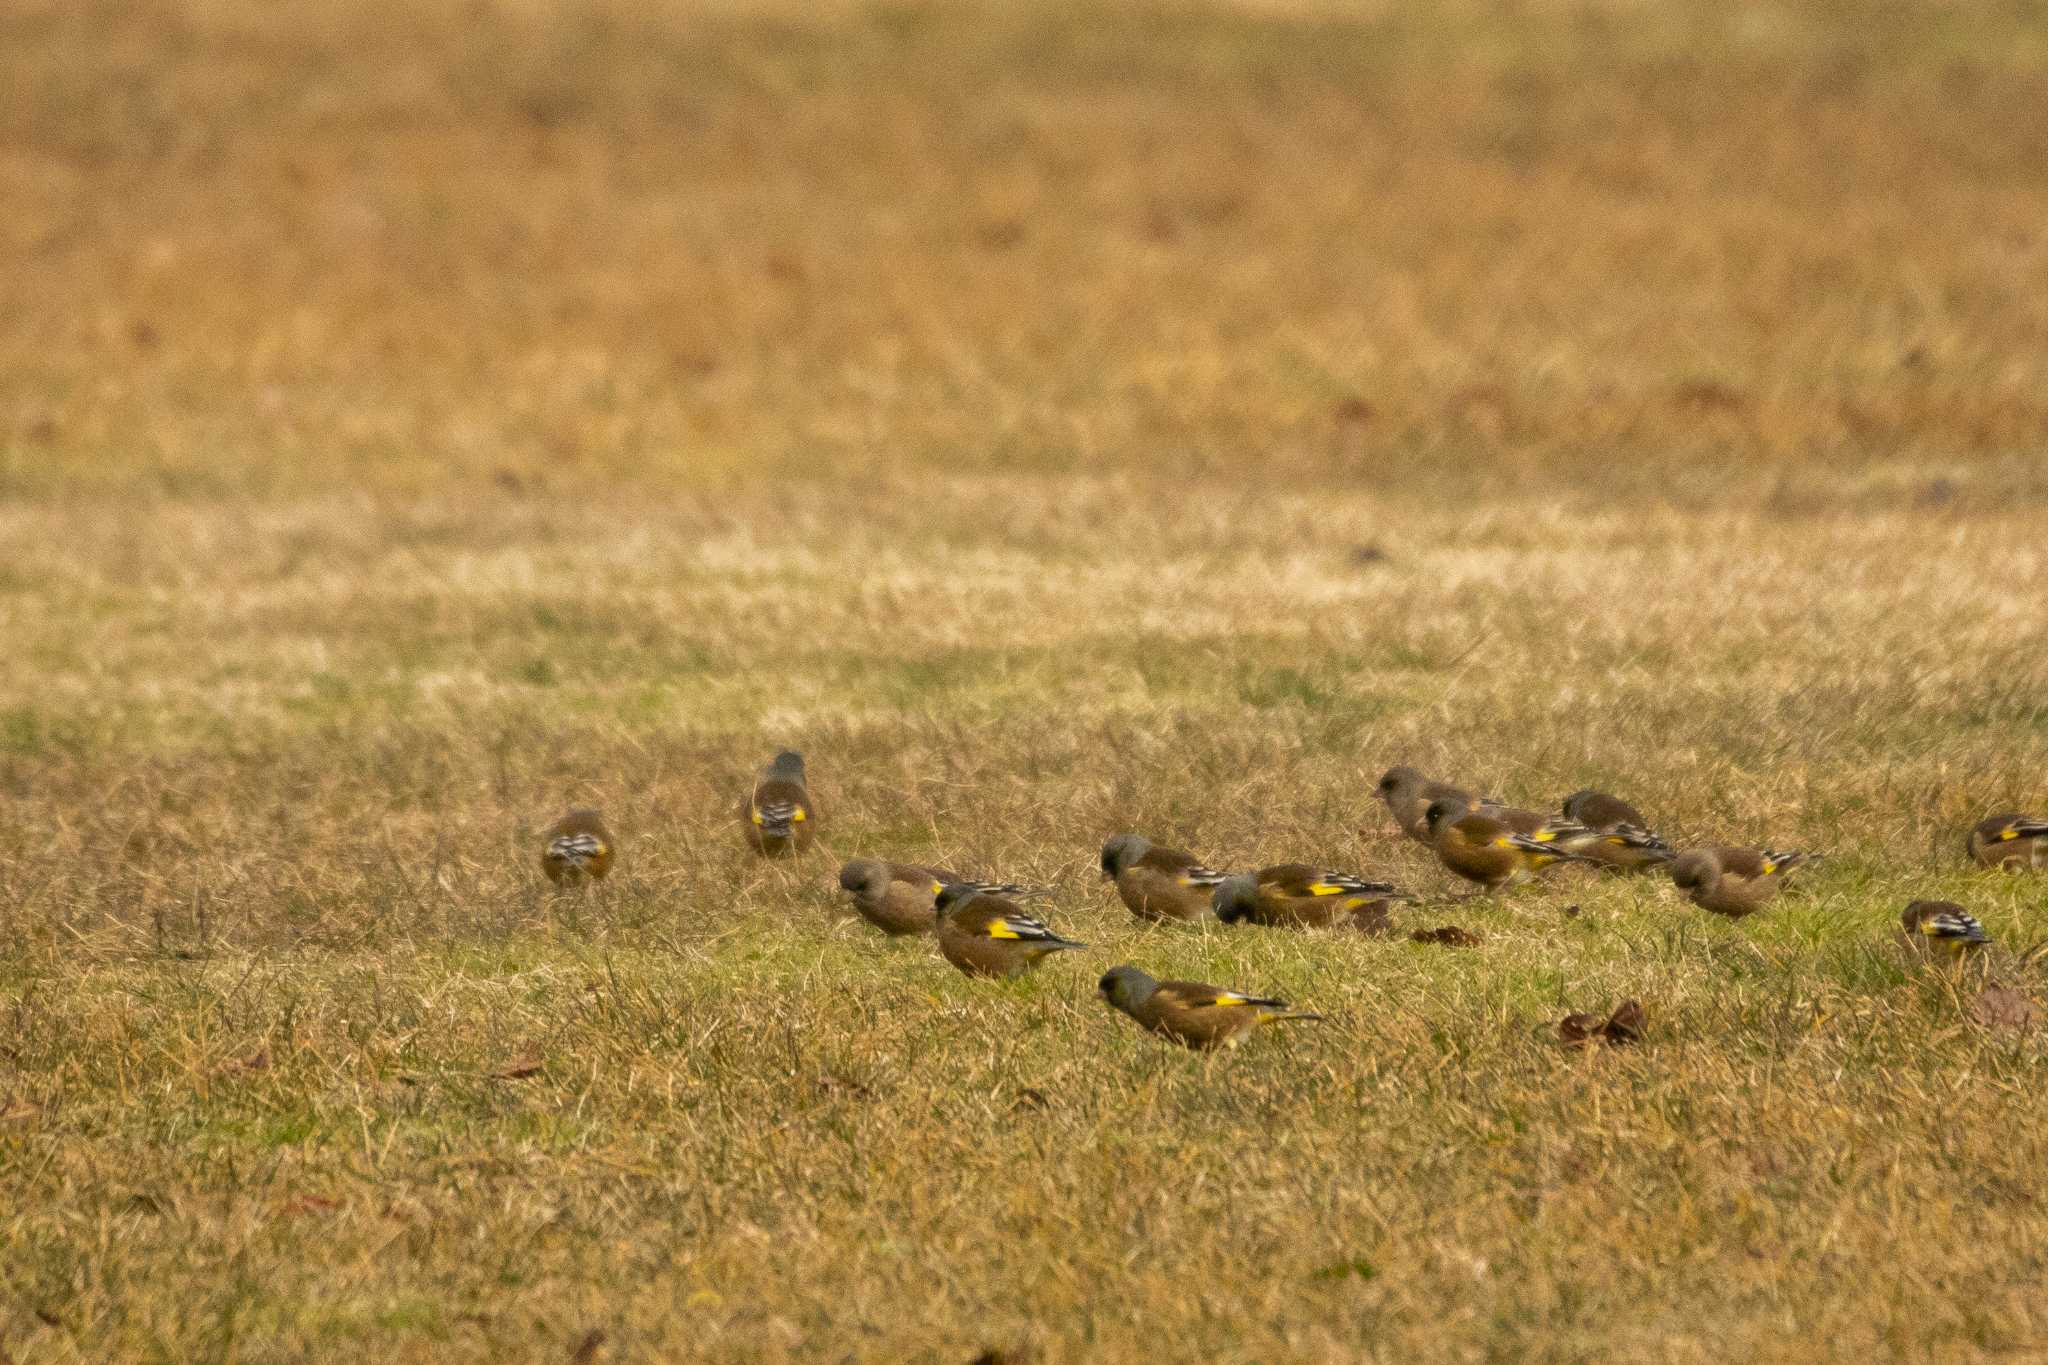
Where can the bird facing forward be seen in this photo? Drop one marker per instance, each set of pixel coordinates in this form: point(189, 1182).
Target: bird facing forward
point(1190, 1013)
point(779, 816)
point(577, 847)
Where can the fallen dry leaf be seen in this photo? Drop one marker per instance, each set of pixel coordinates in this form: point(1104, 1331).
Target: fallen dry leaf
point(2001, 1007)
point(1576, 1030)
point(311, 1203)
point(587, 1349)
point(1571, 911)
point(840, 1085)
point(519, 1068)
point(1450, 936)
point(1626, 1025)
point(1030, 1098)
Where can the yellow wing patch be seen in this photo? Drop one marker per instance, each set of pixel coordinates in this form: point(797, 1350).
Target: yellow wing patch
point(1228, 998)
point(797, 815)
point(937, 887)
point(757, 814)
point(1326, 889)
point(1001, 929)
point(2008, 833)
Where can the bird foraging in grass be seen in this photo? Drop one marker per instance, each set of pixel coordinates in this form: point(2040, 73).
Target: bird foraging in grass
point(779, 816)
point(1485, 850)
point(1300, 896)
point(902, 898)
point(1157, 883)
point(2010, 842)
point(577, 848)
point(1598, 810)
point(988, 935)
point(1190, 1013)
point(1622, 839)
point(1943, 928)
point(1408, 794)
point(1735, 881)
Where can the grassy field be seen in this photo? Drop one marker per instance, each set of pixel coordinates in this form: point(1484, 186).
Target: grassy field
point(1056, 419)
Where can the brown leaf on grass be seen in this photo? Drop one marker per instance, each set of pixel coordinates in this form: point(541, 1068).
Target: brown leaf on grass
point(311, 1204)
point(522, 1065)
point(2001, 1007)
point(1449, 935)
point(1577, 1030)
point(259, 1060)
point(587, 1349)
point(1571, 912)
point(840, 1085)
point(1626, 1025)
point(1007, 1355)
point(1030, 1097)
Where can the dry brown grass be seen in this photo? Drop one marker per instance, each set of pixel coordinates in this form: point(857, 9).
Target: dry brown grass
point(415, 418)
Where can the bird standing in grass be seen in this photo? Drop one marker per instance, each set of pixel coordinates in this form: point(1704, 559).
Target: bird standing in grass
point(577, 848)
point(1735, 881)
point(988, 935)
point(1943, 928)
point(902, 898)
point(1482, 849)
point(1622, 839)
point(1190, 1013)
point(1408, 794)
point(1158, 883)
point(1299, 896)
point(2010, 842)
point(779, 816)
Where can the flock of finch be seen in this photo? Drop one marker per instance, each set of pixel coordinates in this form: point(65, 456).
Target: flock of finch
point(981, 929)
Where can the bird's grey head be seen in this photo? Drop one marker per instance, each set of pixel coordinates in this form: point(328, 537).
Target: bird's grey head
point(1235, 897)
point(952, 896)
point(1123, 850)
point(1397, 783)
point(789, 764)
point(1126, 986)
point(1695, 869)
point(863, 877)
point(1447, 811)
